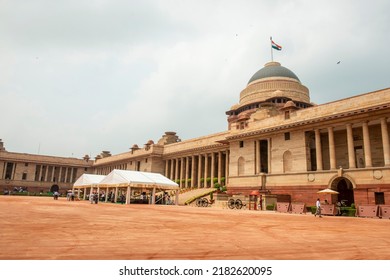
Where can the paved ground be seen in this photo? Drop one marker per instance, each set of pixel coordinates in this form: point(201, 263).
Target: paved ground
point(42, 228)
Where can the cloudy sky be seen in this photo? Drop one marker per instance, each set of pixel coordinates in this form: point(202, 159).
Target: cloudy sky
point(78, 77)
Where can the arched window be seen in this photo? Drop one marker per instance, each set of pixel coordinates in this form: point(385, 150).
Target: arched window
point(241, 166)
point(287, 161)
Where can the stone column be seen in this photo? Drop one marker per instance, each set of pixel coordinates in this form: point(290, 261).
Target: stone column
point(351, 148)
point(52, 174)
point(318, 150)
point(59, 175)
point(199, 170)
point(70, 177)
point(40, 173)
point(332, 149)
point(192, 172)
point(385, 141)
point(206, 169)
point(187, 172)
point(66, 175)
point(172, 169)
point(219, 167)
point(177, 170)
point(166, 168)
point(227, 165)
point(181, 172)
point(367, 145)
point(212, 170)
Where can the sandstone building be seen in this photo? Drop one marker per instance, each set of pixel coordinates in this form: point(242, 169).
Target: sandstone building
point(278, 142)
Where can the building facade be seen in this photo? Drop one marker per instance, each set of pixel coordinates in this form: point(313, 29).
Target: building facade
point(278, 143)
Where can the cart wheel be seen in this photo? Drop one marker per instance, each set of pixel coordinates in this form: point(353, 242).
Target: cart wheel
point(238, 204)
point(205, 202)
point(231, 203)
point(199, 202)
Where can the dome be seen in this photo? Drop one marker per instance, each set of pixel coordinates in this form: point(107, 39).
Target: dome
point(273, 69)
point(289, 104)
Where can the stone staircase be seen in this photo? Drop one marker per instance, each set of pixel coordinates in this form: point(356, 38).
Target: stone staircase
point(185, 196)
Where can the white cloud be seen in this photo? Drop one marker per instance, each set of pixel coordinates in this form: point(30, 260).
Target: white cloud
point(82, 77)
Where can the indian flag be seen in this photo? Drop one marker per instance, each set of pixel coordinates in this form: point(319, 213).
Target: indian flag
point(275, 46)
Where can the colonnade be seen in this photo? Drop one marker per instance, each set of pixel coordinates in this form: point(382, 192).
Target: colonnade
point(368, 159)
point(193, 171)
point(49, 173)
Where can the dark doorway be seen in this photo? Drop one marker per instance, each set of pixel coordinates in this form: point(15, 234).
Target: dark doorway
point(54, 188)
point(379, 198)
point(345, 189)
point(264, 156)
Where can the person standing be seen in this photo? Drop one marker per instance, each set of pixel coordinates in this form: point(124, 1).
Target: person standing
point(338, 208)
point(318, 208)
point(56, 195)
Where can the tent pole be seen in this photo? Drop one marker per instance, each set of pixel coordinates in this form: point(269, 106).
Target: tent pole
point(128, 195)
point(177, 197)
point(153, 195)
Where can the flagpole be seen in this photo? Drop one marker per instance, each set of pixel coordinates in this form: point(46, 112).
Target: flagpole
point(272, 54)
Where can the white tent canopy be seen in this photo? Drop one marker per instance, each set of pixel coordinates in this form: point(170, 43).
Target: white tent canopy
point(136, 178)
point(88, 180)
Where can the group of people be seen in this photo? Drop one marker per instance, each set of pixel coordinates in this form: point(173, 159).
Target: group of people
point(318, 208)
point(70, 196)
point(94, 198)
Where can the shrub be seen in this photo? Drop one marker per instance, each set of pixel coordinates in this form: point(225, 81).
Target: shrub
point(270, 207)
point(311, 209)
point(348, 211)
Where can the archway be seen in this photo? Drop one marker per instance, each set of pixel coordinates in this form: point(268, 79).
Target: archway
point(54, 188)
point(345, 188)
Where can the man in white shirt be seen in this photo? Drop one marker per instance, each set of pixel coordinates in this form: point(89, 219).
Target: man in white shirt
point(318, 208)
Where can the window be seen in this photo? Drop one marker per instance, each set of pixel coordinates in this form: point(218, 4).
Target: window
point(24, 176)
point(379, 198)
point(241, 144)
point(287, 136)
point(26, 164)
point(286, 115)
point(9, 170)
